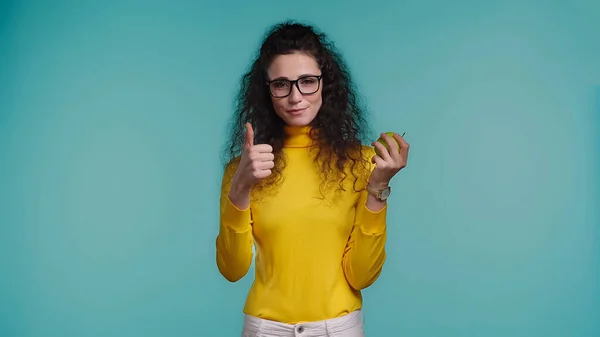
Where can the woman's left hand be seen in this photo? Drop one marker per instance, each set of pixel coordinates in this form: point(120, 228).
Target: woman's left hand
point(388, 163)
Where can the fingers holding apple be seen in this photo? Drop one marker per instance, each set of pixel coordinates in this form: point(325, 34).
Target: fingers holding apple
point(391, 156)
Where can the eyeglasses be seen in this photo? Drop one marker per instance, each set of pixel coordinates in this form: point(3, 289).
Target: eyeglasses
point(306, 85)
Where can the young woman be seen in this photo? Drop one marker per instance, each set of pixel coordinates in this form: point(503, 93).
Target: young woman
point(302, 188)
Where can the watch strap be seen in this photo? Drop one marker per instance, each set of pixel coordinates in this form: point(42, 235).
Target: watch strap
point(377, 193)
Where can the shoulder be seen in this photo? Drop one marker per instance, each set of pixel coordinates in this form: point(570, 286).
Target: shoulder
point(231, 168)
point(361, 164)
point(233, 164)
point(367, 153)
point(367, 150)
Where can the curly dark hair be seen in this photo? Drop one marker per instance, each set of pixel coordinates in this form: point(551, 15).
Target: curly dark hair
point(340, 127)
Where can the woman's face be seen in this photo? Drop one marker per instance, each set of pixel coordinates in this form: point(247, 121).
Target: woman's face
point(297, 103)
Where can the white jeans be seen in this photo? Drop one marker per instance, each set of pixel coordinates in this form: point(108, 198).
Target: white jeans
point(349, 325)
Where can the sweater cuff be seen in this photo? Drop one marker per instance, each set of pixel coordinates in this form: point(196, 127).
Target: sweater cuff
point(234, 218)
point(373, 222)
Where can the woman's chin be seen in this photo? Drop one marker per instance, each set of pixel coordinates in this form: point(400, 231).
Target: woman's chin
point(301, 120)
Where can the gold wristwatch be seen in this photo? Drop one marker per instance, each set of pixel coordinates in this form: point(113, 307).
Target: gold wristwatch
point(381, 194)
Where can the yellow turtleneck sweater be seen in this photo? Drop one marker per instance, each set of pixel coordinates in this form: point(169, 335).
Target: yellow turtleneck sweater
point(313, 256)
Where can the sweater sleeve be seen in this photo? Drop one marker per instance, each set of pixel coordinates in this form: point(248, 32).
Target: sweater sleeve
point(234, 241)
point(364, 254)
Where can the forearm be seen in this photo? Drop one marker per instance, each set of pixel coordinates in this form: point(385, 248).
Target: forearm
point(374, 204)
point(364, 261)
point(365, 252)
point(234, 241)
point(239, 194)
point(234, 251)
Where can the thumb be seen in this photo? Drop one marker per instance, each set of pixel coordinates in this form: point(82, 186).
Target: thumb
point(249, 139)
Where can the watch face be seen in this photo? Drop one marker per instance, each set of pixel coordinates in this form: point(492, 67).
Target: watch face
point(385, 194)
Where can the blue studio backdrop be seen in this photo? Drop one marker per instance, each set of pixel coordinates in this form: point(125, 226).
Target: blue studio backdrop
point(113, 115)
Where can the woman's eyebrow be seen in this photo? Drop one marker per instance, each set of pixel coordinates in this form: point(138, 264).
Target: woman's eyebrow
point(287, 78)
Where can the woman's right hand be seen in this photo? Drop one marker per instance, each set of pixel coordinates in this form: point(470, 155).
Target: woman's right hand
point(255, 164)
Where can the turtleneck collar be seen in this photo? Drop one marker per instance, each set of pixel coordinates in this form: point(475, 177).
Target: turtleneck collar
point(297, 136)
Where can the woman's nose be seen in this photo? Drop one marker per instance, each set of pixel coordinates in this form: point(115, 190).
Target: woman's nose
point(295, 96)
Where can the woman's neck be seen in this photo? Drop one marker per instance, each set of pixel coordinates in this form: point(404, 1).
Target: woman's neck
point(297, 136)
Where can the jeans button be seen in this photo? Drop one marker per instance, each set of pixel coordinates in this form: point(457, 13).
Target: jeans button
point(300, 329)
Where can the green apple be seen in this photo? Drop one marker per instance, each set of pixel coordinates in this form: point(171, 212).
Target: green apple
point(384, 143)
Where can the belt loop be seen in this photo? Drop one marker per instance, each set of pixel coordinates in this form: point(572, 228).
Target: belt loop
point(259, 328)
point(327, 328)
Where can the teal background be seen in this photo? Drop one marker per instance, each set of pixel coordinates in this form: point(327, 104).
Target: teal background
point(112, 116)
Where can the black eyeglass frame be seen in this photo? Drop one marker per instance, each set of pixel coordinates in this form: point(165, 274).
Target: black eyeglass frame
point(295, 83)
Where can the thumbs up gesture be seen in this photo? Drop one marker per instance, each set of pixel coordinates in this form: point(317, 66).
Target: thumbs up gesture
point(255, 164)
point(257, 160)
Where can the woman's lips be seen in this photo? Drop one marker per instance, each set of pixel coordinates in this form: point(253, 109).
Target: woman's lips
point(296, 112)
